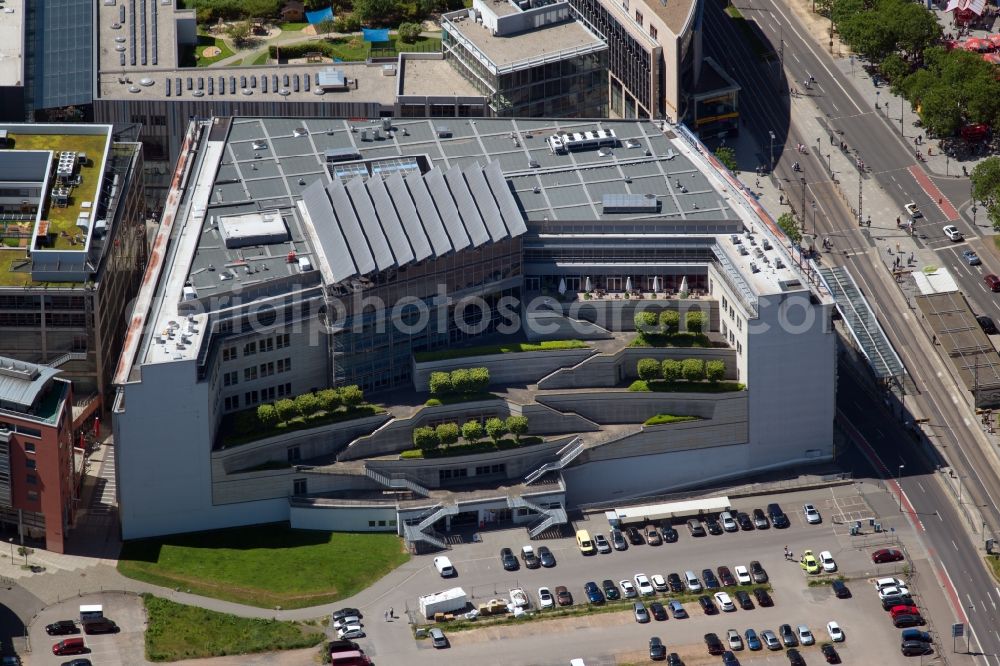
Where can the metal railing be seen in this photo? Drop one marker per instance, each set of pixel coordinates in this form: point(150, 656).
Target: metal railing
point(554, 517)
point(567, 454)
point(397, 481)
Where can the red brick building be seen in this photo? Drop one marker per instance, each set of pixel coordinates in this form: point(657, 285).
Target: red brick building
point(37, 472)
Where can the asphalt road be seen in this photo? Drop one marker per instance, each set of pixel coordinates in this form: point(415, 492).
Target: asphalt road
point(950, 422)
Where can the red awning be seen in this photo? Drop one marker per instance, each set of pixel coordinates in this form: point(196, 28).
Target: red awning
point(974, 6)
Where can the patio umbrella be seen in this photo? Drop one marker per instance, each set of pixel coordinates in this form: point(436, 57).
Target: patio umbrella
point(562, 286)
point(975, 44)
point(628, 284)
point(587, 286)
point(992, 58)
point(994, 39)
point(683, 291)
point(656, 284)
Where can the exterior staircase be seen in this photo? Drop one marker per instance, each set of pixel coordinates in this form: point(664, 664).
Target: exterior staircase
point(548, 517)
point(567, 454)
point(397, 482)
point(419, 529)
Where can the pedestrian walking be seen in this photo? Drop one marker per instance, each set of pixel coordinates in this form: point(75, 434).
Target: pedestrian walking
point(392, 613)
point(385, 616)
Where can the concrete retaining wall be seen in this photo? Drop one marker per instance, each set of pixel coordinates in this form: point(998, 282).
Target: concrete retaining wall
point(611, 370)
point(344, 518)
point(614, 314)
point(505, 369)
point(556, 326)
point(544, 420)
point(609, 407)
point(270, 484)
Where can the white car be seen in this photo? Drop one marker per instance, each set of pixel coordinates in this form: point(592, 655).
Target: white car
point(812, 515)
point(734, 639)
point(344, 621)
point(350, 631)
point(728, 522)
point(836, 635)
point(953, 234)
point(742, 575)
point(892, 590)
point(725, 602)
point(659, 582)
point(913, 211)
point(826, 559)
point(889, 582)
point(628, 589)
point(545, 599)
point(805, 636)
point(645, 587)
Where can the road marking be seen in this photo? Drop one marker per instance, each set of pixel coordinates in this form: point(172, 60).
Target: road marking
point(921, 486)
point(955, 545)
point(972, 604)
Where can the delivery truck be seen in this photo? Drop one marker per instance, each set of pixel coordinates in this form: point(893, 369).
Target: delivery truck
point(446, 601)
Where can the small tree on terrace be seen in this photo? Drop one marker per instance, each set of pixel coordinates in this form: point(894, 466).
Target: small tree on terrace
point(648, 369)
point(351, 395)
point(695, 321)
point(496, 429)
point(447, 433)
point(461, 381)
point(286, 409)
point(670, 321)
point(517, 426)
point(693, 369)
point(479, 379)
point(307, 403)
point(671, 369)
point(329, 399)
point(715, 370)
point(440, 383)
point(267, 415)
point(472, 431)
point(645, 322)
point(425, 438)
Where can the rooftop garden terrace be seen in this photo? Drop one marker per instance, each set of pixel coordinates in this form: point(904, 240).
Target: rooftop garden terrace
point(505, 348)
point(62, 232)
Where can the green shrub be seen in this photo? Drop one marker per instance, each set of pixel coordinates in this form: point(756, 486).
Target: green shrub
point(645, 321)
point(461, 381)
point(286, 409)
point(408, 32)
point(695, 321)
point(671, 369)
point(715, 370)
point(693, 369)
point(472, 431)
point(329, 399)
point(517, 426)
point(480, 379)
point(351, 395)
point(496, 429)
point(346, 23)
point(306, 404)
point(447, 433)
point(432, 402)
point(412, 453)
point(425, 438)
point(648, 368)
point(638, 385)
point(440, 383)
point(267, 415)
point(670, 321)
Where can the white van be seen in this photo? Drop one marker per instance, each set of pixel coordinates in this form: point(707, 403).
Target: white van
point(693, 584)
point(444, 567)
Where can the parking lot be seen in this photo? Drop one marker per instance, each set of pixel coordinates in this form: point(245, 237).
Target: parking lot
point(124, 648)
point(617, 638)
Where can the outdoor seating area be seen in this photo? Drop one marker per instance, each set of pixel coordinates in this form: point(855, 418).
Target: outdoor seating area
point(625, 288)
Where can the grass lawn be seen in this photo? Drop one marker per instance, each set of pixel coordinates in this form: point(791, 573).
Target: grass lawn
point(660, 386)
point(672, 340)
point(261, 59)
point(457, 398)
point(661, 419)
point(488, 350)
point(178, 632)
point(265, 565)
point(292, 26)
point(205, 41)
point(993, 562)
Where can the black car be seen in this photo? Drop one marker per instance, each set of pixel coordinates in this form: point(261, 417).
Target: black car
point(658, 612)
point(711, 582)
point(610, 589)
point(354, 612)
point(712, 525)
point(830, 653)
point(787, 635)
point(61, 628)
point(744, 600)
point(915, 635)
point(746, 524)
point(777, 516)
point(729, 659)
point(508, 560)
point(760, 519)
point(530, 558)
point(669, 534)
point(634, 536)
point(674, 659)
point(907, 620)
point(594, 594)
point(675, 583)
point(657, 650)
point(763, 598)
point(708, 605)
point(77, 662)
point(713, 644)
point(757, 572)
point(840, 589)
point(915, 648)
point(985, 323)
point(794, 658)
point(546, 557)
point(894, 600)
point(726, 577)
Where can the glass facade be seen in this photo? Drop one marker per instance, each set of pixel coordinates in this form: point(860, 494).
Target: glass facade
point(59, 58)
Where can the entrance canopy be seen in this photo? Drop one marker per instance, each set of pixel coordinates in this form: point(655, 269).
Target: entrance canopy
point(648, 512)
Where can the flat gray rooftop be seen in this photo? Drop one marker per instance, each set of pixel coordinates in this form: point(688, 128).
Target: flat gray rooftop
point(12, 44)
point(136, 33)
point(512, 50)
point(434, 78)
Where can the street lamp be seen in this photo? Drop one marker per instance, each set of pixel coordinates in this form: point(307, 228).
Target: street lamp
point(814, 216)
point(11, 540)
point(803, 181)
point(899, 476)
point(771, 132)
point(877, 93)
point(901, 116)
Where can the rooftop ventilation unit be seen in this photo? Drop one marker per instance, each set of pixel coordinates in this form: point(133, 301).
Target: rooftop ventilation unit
point(564, 143)
point(629, 203)
point(443, 132)
point(342, 154)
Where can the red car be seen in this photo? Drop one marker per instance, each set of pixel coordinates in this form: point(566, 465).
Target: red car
point(903, 610)
point(886, 555)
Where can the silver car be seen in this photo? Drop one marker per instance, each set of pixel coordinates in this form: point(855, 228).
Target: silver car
point(641, 614)
point(769, 640)
point(438, 639)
